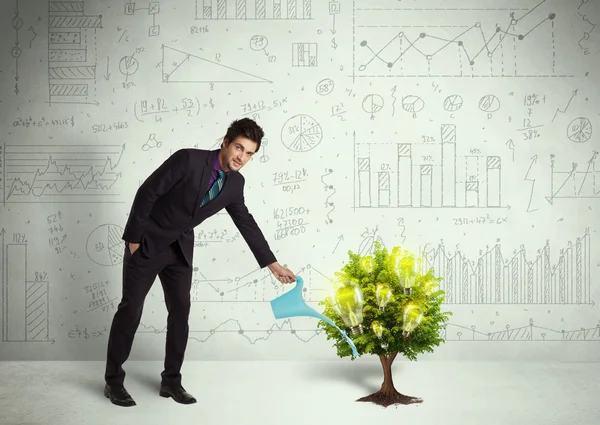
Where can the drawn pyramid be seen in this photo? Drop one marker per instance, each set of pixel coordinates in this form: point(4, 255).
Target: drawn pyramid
point(182, 67)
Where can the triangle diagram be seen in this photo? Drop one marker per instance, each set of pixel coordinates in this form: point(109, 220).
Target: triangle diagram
point(182, 67)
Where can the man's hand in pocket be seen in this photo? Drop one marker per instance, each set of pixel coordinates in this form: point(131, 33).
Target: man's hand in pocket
point(133, 247)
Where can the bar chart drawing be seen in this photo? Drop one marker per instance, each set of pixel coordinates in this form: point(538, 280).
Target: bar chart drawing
point(243, 10)
point(71, 53)
point(579, 182)
point(495, 279)
point(425, 175)
point(304, 54)
point(25, 302)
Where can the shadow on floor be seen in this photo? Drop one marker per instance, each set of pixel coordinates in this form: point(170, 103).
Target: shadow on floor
point(366, 376)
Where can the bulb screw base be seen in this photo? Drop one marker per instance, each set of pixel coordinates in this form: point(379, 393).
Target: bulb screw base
point(356, 330)
point(407, 291)
point(405, 334)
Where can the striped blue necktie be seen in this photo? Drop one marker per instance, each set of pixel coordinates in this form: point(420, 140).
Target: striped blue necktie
point(214, 189)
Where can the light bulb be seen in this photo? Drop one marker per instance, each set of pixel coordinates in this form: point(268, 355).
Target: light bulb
point(367, 264)
point(412, 317)
point(407, 281)
point(383, 293)
point(429, 286)
point(377, 329)
point(348, 303)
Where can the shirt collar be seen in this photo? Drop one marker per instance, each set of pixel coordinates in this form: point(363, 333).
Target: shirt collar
point(217, 164)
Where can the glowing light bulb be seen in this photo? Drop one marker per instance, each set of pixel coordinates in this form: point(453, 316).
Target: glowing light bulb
point(348, 303)
point(367, 264)
point(404, 268)
point(429, 287)
point(412, 317)
point(377, 329)
point(383, 293)
point(407, 281)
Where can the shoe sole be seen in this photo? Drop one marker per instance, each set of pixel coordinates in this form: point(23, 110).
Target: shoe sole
point(107, 395)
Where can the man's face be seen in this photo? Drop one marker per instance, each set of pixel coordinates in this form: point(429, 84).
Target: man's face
point(237, 153)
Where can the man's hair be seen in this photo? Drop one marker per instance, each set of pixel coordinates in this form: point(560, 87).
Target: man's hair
point(245, 127)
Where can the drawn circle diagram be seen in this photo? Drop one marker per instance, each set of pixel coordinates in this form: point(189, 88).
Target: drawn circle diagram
point(579, 130)
point(453, 102)
point(301, 133)
point(258, 42)
point(412, 103)
point(104, 245)
point(324, 87)
point(489, 103)
point(372, 103)
point(128, 65)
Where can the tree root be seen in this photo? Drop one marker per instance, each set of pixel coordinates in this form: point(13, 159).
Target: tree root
point(386, 398)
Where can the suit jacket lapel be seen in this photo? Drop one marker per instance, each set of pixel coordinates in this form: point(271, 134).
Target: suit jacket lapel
point(204, 178)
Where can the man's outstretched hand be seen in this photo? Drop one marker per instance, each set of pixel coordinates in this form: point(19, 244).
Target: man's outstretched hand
point(283, 274)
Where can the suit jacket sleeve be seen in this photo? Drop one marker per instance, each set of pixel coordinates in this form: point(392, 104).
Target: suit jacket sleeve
point(172, 170)
point(250, 231)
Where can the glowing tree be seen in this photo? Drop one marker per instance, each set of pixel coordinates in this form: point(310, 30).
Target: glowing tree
point(390, 306)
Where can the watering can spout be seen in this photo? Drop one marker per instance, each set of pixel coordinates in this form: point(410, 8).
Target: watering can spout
point(291, 304)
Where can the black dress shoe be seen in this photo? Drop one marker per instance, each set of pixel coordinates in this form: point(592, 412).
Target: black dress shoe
point(177, 393)
point(118, 395)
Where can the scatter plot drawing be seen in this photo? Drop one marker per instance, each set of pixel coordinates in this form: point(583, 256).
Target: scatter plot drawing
point(243, 10)
point(72, 49)
point(495, 279)
point(506, 40)
point(25, 301)
point(182, 67)
point(16, 51)
point(104, 245)
point(301, 133)
point(425, 175)
point(151, 143)
point(61, 173)
point(579, 182)
point(579, 130)
point(304, 54)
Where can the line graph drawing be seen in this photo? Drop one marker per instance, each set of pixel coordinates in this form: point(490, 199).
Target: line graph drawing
point(244, 10)
point(425, 175)
point(182, 67)
point(529, 332)
point(71, 53)
point(496, 279)
point(575, 183)
point(25, 302)
point(460, 41)
point(60, 173)
point(451, 332)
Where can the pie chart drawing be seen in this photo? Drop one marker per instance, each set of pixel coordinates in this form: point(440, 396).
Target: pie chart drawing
point(412, 103)
point(104, 245)
point(453, 103)
point(372, 103)
point(579, 130)
point(301, 133)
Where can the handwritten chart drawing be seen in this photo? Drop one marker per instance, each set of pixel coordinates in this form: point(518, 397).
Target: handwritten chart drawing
point(25, 302)
point(425, 175)
point(301, 133)
point(254, 9)
point(304, 54)
point(182, 67)
point(61, 173)
point(71, 53)
point(579, 130)
point(104, 245)
point(580, 182)
point(459, 41)
point(495, 279)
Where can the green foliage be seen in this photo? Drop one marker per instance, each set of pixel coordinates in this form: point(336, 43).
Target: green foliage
point(422, 339)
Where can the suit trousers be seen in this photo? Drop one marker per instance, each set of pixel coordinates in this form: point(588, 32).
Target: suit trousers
point(139, 274)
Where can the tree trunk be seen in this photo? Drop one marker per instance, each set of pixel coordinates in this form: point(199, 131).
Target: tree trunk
point(387, 394)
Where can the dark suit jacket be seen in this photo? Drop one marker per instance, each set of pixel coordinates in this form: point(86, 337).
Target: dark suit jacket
point(166, 207)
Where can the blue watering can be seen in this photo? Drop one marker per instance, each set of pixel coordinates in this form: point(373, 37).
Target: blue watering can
point(291, 304)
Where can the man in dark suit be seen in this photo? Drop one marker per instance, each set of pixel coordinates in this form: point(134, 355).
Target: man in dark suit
point(190, 186)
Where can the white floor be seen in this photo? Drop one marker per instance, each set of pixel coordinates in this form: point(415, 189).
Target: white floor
point(289, 393)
